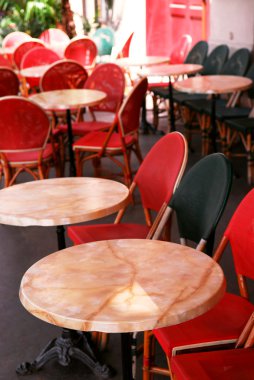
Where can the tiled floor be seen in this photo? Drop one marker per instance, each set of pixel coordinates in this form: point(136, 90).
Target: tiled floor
point(22, 335)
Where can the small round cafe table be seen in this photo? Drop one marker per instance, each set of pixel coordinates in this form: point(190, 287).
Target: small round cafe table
point(34, 71)
point(213, 85)
point(122, 286)
point(58, 202)
point(68, 100)
point(173, 71)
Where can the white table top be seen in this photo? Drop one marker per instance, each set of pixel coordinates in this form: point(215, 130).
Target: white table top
point(68, 99)
point(61, 201)
point(122, 286)
point(34, 71)
point(141, 61)
point(168, 70)
point(213, 84)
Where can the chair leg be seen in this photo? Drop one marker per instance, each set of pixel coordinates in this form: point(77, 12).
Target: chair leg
point(250, 159)
point(147, 355)
point(79, 163)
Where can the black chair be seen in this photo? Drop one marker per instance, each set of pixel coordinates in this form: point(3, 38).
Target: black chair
point(236, 65)
point(198, 203)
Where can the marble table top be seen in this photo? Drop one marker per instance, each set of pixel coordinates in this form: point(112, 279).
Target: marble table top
point(177, 69)
point(141, 61)
point(122, 286)
point(61, 201)
point(68, 99)
point(213, 84)
point(34, 71)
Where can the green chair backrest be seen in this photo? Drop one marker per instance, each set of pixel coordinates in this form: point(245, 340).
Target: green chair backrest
point(238, 63)
point(250, 74)
point(215, 60)
point(198, 53)
point(201, 197)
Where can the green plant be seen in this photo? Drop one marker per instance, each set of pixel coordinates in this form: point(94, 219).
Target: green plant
point(30, 16)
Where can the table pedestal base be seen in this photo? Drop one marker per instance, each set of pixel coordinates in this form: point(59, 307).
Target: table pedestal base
point(71, 345)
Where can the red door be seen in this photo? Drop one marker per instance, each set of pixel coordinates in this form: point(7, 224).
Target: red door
point(167, 20)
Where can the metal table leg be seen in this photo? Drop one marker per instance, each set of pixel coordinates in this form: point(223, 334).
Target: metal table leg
point(70, 142)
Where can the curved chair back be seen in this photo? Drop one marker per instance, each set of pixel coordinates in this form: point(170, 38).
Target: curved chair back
point(52, 35)
point(198, 53)
point(181, 49)
point(23, 48)
point(201, 197)
point(215, 60)
point(169, 154)
point(63, 75)
point(109, 78)
point(82, 50)
point(238, 63)
point(39, 56)
point(15, 38)
point(23, 125)
point(129, 113)
point(124, 52)
point(9, 82)
point(5, 62)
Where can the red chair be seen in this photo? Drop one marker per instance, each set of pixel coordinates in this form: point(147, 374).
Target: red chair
point(231, 364)
point(9, 82)
point(4, 62)
point(82, 50)
point(224, 323)
point(114, 143)
point(109, 78)
point(24, 146)
point(170, 155)
point(124, 52)
point(38, 56)
point(56, 39)
point(23, 48)
point(63, 75)
point(14, 39)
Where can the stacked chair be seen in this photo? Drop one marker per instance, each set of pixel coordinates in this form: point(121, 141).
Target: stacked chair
point(82, 50)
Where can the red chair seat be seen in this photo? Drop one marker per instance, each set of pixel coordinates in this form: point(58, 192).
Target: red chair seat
point(94, 141)
point(225, 321)
point(80, 235)
point(234, 364)
point(29, 156)
point(83, 127)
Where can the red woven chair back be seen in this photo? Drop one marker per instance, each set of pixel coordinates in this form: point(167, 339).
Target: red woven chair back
point(181, 49)
point(23, 48)
point(23, 124)
point(64, 75)
point(240, 232)
point(158, 174)
point(129, 113)
point(15, 38)
point(126, 48)
point(52, 35)
point(39, 56)
point(5, 62)
point(9, 82)
point(109, 78)
point(82, 50)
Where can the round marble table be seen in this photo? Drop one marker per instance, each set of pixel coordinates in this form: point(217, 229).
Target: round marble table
point(34, 71)
point(58, 202)
point(70, 99)
point(172, 71)
point(122, 286)
point(213, 85)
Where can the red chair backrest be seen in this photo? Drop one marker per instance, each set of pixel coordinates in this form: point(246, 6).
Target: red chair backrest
point(23, 48)
point(23, 124)
point(240, 232)
point(52, 35)
point(126, 48)
point(5, 62)
point(82, 50)
point(181, 49)
point(129, 113)
point(63, 75)
point(109, 78)
point(15, 38)
point(161, 170)
point(9, 82)
point(39, 56)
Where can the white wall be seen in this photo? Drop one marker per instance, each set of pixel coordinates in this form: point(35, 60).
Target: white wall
point(232, 22)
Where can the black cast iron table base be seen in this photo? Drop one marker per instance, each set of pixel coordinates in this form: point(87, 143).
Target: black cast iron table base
point(71, 345)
